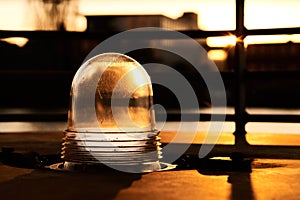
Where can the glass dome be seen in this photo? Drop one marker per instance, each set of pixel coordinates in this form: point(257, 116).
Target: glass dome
point(111, 117)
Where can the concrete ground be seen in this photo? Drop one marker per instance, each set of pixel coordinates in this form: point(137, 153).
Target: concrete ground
point(263, 179)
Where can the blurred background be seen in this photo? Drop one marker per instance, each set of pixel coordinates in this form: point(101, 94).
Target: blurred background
point(36, 71)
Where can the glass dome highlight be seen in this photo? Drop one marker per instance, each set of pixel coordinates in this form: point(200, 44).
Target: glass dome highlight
point(111, 118)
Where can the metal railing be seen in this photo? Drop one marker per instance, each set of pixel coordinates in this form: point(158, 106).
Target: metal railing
point(241, 117)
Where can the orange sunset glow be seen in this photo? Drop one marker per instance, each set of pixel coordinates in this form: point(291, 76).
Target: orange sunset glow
point(212, 14)
point(149, 99)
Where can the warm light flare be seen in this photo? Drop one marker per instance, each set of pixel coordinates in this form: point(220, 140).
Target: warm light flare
point(266, 39)
point(223, 41)
point(217, 55)
point(295, 38)
point(226, 41)
point(81, 23)
point(142, 83)
point(271, 39)
point(19, 41)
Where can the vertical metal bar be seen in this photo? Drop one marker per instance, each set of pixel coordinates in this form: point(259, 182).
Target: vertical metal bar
point(240, 84)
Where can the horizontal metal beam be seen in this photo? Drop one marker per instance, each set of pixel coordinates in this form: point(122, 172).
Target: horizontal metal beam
point(248, 117)
point(33, 117)
point(104, 35)
point(40, 117)
point(146, 34)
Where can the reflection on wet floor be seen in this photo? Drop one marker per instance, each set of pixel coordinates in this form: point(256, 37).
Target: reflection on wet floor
point(217, 178)
point(210, 179)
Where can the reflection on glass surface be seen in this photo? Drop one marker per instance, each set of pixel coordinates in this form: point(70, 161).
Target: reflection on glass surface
point(111, 118)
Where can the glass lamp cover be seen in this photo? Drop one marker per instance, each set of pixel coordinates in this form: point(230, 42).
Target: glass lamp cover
point(111, 117)
point(111, 92)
